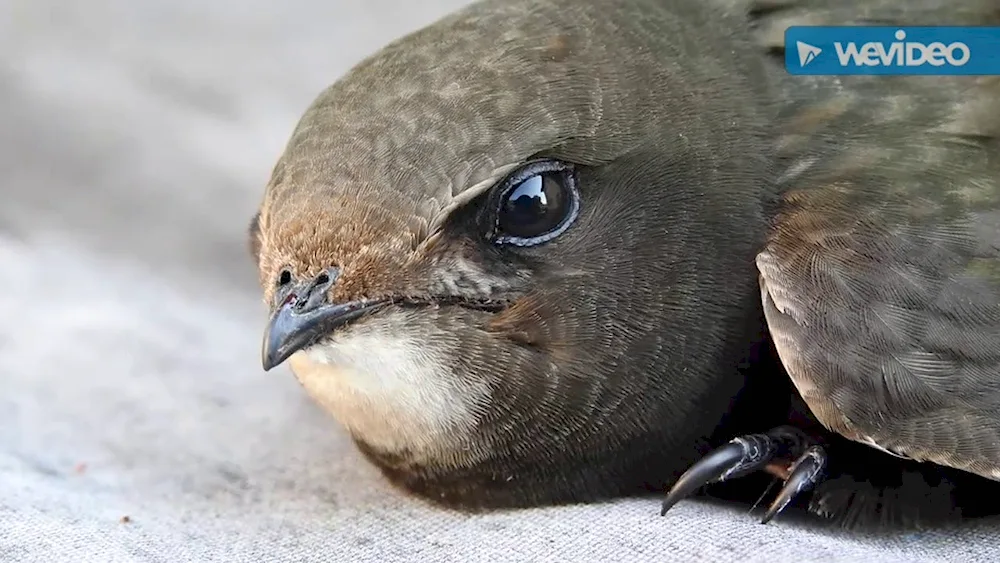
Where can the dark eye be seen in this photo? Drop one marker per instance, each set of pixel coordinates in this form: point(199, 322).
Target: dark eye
point(535, 204)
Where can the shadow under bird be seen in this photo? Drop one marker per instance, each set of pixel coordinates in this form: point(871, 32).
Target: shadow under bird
point(552, 251)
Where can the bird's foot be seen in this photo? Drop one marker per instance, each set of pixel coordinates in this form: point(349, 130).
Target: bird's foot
point(785, 452)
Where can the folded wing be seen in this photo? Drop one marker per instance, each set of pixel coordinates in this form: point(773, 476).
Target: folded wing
point(881, 276)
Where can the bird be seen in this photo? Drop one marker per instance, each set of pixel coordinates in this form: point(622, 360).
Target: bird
point(559, 251)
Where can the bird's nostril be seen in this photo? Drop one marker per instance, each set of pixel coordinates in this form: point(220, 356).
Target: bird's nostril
point(326, 278)
point(316, 293)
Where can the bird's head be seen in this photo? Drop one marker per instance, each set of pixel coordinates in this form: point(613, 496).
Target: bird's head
point(529, 221)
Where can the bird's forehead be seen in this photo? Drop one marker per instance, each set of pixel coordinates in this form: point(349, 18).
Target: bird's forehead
point(424, 120)
point(419, 127)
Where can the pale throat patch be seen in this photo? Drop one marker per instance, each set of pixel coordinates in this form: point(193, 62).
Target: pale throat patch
point(392, 391)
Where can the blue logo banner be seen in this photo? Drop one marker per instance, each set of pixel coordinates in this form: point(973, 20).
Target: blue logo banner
point(929, 51)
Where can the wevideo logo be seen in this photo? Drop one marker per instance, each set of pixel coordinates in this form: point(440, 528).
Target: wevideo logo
point(892, 50)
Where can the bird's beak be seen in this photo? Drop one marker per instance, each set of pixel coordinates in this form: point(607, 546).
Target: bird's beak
point(302, 319)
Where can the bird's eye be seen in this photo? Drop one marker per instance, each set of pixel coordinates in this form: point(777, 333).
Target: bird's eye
point(535, 204)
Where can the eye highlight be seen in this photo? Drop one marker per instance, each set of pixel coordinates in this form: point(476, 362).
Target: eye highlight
point(534, 205)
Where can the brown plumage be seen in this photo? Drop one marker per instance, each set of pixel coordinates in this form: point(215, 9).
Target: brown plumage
point(607, 360)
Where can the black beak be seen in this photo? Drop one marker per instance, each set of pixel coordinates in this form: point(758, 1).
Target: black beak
point(304, 316)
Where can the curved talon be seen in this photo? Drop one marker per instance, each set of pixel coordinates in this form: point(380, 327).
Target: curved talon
point(802, 476)
point(740, 456)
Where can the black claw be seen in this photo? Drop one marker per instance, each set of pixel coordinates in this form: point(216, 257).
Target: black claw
point(740, 456)
point(803, 476)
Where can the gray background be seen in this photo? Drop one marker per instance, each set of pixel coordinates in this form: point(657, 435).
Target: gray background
point(135, 139)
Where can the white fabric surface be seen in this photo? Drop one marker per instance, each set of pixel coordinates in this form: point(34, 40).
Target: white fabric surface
point(135, 139)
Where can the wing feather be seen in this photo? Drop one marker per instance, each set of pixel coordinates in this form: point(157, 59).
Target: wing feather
point(881, 275)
